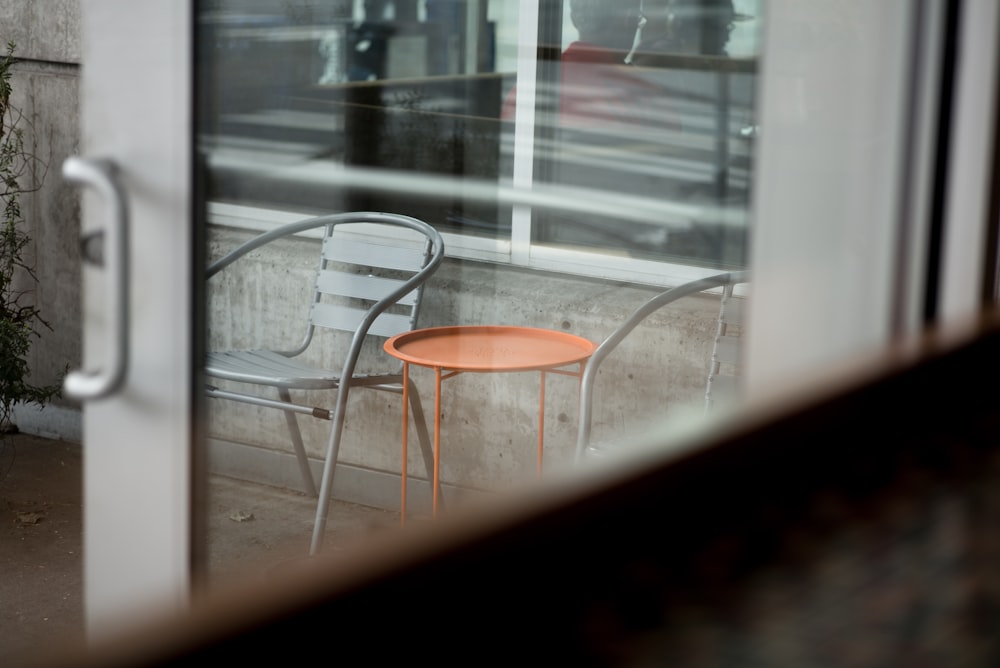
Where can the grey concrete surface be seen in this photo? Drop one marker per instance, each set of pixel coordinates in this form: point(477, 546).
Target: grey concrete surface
point(44, 30)
point(45, 93)
point(51, 210)
point(251, 531)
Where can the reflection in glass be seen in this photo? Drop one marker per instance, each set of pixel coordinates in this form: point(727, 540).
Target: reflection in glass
point(577, 156)
point(672, 125)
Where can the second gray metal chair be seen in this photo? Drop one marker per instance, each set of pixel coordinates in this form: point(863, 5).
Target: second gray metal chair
point(723, 365)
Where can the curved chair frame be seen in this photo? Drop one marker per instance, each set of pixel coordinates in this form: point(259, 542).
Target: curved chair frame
point(270, 368)
point(727, 280)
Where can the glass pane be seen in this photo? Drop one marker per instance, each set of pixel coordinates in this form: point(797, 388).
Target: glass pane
point(675, 124)
point(572, 178)
point(410, 86)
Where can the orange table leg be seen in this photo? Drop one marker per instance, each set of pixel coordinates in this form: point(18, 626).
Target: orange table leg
point(437, 437)
point(541, 423)
point(406, 431)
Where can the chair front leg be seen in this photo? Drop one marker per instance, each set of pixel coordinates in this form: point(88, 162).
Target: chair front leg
point(300, 450)
point(329, 468)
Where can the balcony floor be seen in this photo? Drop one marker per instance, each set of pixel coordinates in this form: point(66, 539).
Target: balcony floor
point(251, 529)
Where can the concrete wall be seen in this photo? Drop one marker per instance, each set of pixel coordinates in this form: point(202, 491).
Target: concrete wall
point(45, 90)
point(489, 421)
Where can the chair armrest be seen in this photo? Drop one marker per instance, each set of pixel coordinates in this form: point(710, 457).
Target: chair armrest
point(619, 334)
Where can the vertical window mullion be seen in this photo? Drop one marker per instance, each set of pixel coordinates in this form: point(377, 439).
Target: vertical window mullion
point(524, 123)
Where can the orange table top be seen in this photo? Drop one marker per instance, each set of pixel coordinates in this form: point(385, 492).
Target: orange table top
point(489, 348)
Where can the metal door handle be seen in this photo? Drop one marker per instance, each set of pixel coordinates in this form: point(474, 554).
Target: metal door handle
point(101, 175)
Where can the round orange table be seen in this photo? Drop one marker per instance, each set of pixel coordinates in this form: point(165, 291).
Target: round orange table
point(483, 349)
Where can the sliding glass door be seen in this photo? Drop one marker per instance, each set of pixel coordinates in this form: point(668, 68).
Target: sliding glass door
point(576, 157)
point(140, 260)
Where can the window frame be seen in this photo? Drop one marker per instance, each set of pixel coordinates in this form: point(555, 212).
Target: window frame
point(518, 248)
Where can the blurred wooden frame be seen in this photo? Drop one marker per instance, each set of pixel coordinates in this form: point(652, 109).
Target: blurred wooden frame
point(797, 515)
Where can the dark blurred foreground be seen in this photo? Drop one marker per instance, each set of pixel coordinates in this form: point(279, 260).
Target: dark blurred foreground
point(857, 527)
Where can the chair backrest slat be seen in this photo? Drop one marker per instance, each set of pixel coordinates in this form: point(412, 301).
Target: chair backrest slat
point(728, 350)
point(360, 286)
point(358, 267)
point(724, 388)
point(369, 275)
point(370, 253)
point(724, 369)
point(347, 318)
point(732, 312)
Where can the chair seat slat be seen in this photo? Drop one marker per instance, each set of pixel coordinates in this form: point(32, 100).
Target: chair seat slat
point(269, 368)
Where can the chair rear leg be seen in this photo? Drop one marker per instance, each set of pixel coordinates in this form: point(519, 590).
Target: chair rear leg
point(424, 436)
point(300, 450)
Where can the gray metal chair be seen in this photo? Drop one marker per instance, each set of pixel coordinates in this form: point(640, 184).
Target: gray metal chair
point(723, 368)
point(366, 284)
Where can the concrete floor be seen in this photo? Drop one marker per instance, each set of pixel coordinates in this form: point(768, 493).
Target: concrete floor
point(251, 529)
